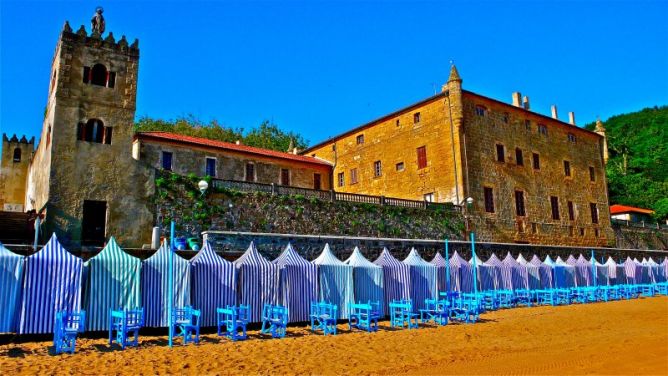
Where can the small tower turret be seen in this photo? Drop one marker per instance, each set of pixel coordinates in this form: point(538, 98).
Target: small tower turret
point(600, 129)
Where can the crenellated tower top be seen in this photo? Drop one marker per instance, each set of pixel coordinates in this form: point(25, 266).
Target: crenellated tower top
point(94, 39)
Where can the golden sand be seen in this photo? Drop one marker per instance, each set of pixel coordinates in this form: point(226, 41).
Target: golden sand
point(625, 337)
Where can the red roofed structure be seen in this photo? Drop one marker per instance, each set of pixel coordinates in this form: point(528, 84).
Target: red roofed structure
point(630, 213)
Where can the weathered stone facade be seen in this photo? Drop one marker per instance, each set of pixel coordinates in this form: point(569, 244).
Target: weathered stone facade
point(462, 133)
point(14, 163)
point(67, 170)
point(230, 160)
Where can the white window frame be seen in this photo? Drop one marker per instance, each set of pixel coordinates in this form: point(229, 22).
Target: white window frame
point(206, 165)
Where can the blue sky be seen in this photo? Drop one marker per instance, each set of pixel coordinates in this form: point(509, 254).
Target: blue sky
point(322, 67)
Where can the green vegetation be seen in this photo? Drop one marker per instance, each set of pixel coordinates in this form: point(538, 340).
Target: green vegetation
point(637, 170)
point(267, 135)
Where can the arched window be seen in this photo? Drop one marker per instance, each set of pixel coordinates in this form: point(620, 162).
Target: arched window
point(17, 155)
point(99, 75)
point(94, 131)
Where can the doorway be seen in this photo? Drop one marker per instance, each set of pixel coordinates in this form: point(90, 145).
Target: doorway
point(93, 225)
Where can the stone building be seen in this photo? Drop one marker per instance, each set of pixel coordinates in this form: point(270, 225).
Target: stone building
point(532, 178)
point(14, 165)
point(229, 161)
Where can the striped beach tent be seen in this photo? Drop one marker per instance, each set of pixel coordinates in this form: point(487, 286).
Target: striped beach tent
point(583, 268)
point(657, 271)
point(519, 275)
point(602, 273)
point(257, 281)
point(11, 284)
point(533, 273)
point(633, 271)
point(615, 274)
point(396, 277)
point(113, 282)
point(335, 281)
point(155, 286)
point(424, 280)
point(461, 274)
point(664, 268)
point(367, 279)
point(502, 274)
point(440, 263)
point(52, 283)
point(213, 283)
point(545, 272)
point(564, 274)
point(298, 284)
point(486, 275)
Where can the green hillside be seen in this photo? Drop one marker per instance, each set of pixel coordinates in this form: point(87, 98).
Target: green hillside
point(638, 166)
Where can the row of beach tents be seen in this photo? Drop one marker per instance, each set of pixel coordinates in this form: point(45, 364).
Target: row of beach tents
point(33, 288)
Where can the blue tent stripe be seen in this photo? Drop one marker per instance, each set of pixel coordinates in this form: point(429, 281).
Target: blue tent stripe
point(213, 283)
point(298, 284)
point(367, 279)
point(461, 274)
point(257, 281)
point(155, 286)
point(335, 281)
point(544, 271)
point(423, 280)
point(52, 282)
point(11, 285)
point(396, 278)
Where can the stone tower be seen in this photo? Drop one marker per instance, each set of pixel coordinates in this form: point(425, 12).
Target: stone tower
point(83, 172)
point(454, 107)
point(14, 164)
point(600, 129)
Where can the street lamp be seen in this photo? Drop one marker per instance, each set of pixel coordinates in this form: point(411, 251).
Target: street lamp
point(203, 186)
point(467, 218)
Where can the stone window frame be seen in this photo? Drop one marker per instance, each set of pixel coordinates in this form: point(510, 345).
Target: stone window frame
point(594, 213)
point(17, 155)
point(206, 165)
point(341, 179)
point(519, 157)
point(592, 174)
point(488, 199)
point(481, 110)
point(505, 117)
point(535, 161)
point(555, 212)
point(500, 153)
point(280, 176)
point(571, 137)
point(377, 169)
point(246, 171)
point(429, 197)
point(523, 206)
point(417, 117)
point(542, 129)
point(354, 178)
point(400, 166)
point(97, 126)
point(110, 76)
point(317, 178)
point(527, 125)
point(582, 231)
point(397, 122)
point(572, 210)
point(568, 170)
point(422, 160)
point(162, 161)
point(359, 139)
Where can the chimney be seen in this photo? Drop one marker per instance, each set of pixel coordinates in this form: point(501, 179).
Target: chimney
point(554, 112)
point(526, 103)
point(238, 142)
point(295, 151)
point(571, 118)
point(517, 99)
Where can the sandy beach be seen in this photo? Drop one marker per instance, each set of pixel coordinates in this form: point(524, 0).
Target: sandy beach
point(624, 337)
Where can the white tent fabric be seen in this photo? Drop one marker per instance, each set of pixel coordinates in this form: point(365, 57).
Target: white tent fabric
point(633, 271)
point(616, 274)
point(485, 275)
point(424, 280)
point(545, 272)
point(396, 277)
point(533, 273)
point(461, 274)
point(257, 281)
point(335, 281)
point(367, 279)
point(602, 273)
point(519, 274)
point(298, 284)
point(564, 274)
point(441, 264)
point(11, 281)
point(502, 273)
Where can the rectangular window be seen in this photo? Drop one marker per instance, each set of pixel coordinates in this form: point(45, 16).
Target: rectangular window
point(527, 125)
point(519, 158)
point(112, 80)
point(422, 157)
point(567, 168)
point(500, 153)
point(400, 166)
point(377, 169)
point(416, 117)
point(86, 75)
point(505, 117)
point(342, 179)
point(596, 232)
point(250, 172)
point(536, 161)
point(360, 139)
point(489, 200)
point(211, 167)
point(592, 174)
point(480, 111)
point(317, 182)
point(571, 211)
point(582, 231)
point(167, 160)
point(285, 176)
point(519, 203)
point(594, 212)
point(571, 138)
point(542, 129)
point(353, 176)
point(398, 122)
point(429, 197)
point(554, 203)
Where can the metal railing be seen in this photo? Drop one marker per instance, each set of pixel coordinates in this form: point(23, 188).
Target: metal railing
point(331, 195)
point(641, 224)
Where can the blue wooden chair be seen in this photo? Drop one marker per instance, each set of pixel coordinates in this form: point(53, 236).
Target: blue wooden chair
point(466, 308)
point(186, 320)
point(234, 319)
point(523, 297)
point(490, 300)
point(274, 320)
point(402, 315)
point(67, 326)
point(647, 289)
point(505, 298)
point(662, 288)
point(545, 297)
point(435, 311)
point(125, 322)
point(323, 317)
point(364, 316)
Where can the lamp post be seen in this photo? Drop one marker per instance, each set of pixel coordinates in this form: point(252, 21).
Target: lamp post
point(467, 218)
point(203, 186)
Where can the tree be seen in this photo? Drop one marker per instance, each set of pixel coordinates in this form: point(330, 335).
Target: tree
point(269, 136)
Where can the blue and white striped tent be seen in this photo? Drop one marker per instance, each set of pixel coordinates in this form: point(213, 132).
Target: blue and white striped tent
point(11, 283)
point(257, 281)
point(113, 282)
point(335, 280)
point(545, 272)
point(155, 286)
point(645, 272)
point(616, 274)
point(367, 279)
point(532, 272)
point(439, 262)
point(424, 280)
point(485, 273)
point(396, 278)
point(519, 277)
point(52, 283)
point(564, 274)
point(298, 284)
point(583, 268)
point(461, 274)
point(602, 273)
point(657, 273)
point(213, 283)
point(502, 273)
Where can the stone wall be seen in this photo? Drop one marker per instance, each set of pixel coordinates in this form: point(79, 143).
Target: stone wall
point(13, 174)
point(640, 238)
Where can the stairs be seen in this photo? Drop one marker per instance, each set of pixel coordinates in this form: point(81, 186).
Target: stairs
point(16, 228)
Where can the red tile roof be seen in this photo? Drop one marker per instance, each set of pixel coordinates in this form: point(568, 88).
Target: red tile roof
point(221, 145)
point(620, 209)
